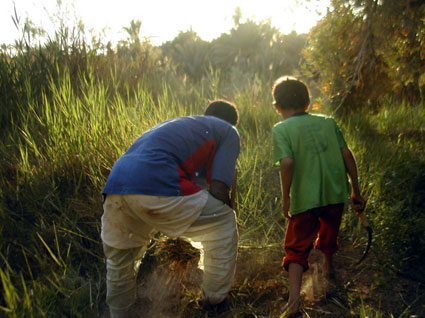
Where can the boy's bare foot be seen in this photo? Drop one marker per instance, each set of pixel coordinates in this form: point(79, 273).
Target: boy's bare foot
point(296, 314)
point(292, 309)
point(295, 272)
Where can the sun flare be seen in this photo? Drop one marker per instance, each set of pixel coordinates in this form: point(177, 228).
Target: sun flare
point(161, 20)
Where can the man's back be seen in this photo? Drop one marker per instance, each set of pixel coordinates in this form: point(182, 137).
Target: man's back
point(163, 161)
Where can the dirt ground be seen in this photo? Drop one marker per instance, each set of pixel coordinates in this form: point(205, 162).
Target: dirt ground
point(169, 287)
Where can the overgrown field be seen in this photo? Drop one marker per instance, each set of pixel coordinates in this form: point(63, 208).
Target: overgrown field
point(65, 123)
point(56, 154)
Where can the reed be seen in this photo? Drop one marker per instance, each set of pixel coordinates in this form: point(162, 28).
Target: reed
point(63, 127)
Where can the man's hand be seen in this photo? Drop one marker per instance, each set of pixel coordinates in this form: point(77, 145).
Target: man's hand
point(234, 192)
point(220, 191)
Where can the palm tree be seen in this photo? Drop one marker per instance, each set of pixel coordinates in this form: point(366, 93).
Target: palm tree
point(133, 32)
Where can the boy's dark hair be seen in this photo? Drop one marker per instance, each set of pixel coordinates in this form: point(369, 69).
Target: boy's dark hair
point(290, 93)
point(223, 109)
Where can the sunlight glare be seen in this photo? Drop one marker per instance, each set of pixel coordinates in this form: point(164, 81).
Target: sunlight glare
point(163, 20)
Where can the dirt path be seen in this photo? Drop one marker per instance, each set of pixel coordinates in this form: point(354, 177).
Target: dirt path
point(260, 288)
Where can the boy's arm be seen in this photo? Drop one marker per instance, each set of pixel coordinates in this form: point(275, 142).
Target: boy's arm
point(350, 163)
point(286, 169)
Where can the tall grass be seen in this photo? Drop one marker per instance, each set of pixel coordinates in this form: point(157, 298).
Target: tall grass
point(389, 149)
point(56, 158)
point(67, 128)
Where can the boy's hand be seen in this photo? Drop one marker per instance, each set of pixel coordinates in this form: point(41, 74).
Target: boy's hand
point(359, 203)
point(286, 167)
point(286, 205)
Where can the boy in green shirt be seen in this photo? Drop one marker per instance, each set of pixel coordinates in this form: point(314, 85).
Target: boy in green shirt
point(314, 162)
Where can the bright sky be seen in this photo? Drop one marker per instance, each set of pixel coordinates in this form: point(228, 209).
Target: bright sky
point(162, 19)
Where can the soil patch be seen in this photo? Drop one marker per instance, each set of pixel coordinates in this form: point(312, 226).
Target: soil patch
point(172, 288)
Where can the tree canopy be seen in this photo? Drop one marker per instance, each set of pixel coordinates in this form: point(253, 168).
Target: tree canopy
point(365, 51)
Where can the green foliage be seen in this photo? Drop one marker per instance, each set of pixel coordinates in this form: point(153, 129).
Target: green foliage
point(250, 49)
point(403, 21)
point(392, 165)
point(257, 48)
point(361, 56)
point(189, 54)
point(70, 109)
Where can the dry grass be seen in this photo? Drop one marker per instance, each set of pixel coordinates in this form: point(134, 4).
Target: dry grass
point(172, 287)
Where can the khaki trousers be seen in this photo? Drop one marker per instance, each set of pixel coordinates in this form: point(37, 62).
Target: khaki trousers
point(129, 221)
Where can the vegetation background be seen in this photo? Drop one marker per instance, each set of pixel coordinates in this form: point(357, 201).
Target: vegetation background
point(71, 106)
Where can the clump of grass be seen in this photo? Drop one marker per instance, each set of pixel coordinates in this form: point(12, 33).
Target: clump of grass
point(178, 254)
point(401, 119)
point(170, 279)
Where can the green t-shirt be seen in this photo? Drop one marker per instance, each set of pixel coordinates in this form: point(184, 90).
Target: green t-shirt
point(314, 143)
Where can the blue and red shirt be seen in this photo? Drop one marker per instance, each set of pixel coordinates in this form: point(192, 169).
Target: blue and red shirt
point(166, 158)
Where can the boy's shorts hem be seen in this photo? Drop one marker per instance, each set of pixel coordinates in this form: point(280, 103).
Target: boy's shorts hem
point(317, 227)
point(327, 250)
point(286, 262)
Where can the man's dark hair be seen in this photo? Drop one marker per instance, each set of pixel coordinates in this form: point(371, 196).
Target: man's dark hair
point(290, 93)
point(223, 109)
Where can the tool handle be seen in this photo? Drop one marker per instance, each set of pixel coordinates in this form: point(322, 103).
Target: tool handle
point(363, 219)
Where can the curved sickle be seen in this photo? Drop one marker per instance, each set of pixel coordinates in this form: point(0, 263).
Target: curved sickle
point(365, 224)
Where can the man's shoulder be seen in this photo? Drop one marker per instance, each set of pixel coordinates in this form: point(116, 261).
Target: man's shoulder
point(221, 126)
point(198, 121)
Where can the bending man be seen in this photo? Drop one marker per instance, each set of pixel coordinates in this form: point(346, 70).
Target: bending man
point(152, 188)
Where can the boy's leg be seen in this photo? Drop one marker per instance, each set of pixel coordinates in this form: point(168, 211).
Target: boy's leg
point(300, 234)
point(216, 230)
point(327, 241)
point(295, 272)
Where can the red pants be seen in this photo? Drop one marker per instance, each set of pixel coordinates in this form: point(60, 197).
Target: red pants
point(303, 228)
